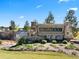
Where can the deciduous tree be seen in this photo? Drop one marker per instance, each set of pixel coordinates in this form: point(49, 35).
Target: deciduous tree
point(26, 26)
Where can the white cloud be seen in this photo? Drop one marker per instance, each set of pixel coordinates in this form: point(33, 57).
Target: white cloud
point(38, 6)
point(75, 9)
point(63, 1)
point(21, 17)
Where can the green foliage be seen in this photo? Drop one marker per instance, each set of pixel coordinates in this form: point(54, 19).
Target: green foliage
point(73, 20)
point(71, 46)
point(26, 26)
point(12, 25)
point(64, 41)
point(54, 41)
point(29, 46)
point(43, 42)
point(49, 18)
point(74, 31)
point(21, 41)
point(16, 28)
point(70, 17)
point(26, 23)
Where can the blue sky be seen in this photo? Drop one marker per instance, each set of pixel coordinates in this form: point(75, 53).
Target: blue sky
point(22, 10)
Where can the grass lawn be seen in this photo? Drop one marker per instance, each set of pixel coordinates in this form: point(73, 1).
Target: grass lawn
point(33, 55)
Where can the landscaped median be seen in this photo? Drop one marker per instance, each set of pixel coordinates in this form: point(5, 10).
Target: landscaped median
point(69, 49)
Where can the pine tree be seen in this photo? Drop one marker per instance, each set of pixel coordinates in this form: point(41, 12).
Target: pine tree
point(50, 18)
point(70, 17)
point(73, 20)
point(12, 25)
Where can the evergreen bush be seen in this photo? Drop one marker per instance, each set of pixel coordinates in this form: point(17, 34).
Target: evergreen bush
point(64, 41)
point(54, 41)
point(43, 42)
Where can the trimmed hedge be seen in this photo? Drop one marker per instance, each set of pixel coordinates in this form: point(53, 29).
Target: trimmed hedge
point(43, 42)
point(65, 42)
point(54, 41)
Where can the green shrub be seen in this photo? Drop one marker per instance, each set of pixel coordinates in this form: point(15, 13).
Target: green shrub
point(4, 48)
point(20, 41)
point(29, 46)
point(54, 41)
point(64, 41)
point(71, 46)
point(43, 42)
